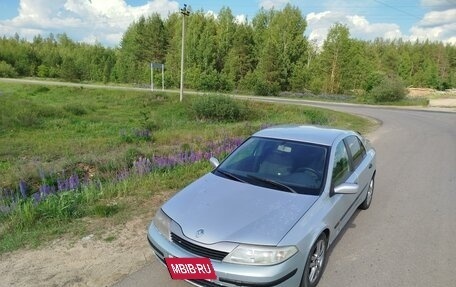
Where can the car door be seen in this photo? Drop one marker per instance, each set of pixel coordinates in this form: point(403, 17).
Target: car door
point(342, 172)
point(360, 163)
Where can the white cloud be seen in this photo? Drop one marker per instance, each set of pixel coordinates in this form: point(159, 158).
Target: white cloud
point(444, 33)
point(276, 4)
point(83, 20)
point(452, 40)
point(241, 19)
point(436, 18)
point(360, 27)
point(438, 4)
point(438, 24)
point(212, 14)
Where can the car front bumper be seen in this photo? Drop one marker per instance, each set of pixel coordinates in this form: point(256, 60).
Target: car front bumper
point(287, 273)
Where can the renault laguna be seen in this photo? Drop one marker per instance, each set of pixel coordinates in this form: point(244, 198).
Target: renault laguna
point(266, 215)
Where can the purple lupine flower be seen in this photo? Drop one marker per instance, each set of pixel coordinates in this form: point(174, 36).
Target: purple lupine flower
point(46, 190)
point(23, 188)
point(73, 182)
point(36, 197)
point(217, 148)
point(142, 165)
point(122, 174)
point(62, 184)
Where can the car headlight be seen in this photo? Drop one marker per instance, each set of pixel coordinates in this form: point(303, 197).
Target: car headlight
point(162, 222)
point(260, 255)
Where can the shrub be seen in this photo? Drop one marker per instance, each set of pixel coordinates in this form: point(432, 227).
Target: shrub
point(218, 108)
point(6, 70)
point(265, 88)
point(388, 90)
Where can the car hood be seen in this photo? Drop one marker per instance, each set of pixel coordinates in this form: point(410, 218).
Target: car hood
point(232, 211)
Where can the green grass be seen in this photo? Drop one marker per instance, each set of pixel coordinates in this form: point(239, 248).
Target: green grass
point(95, 133)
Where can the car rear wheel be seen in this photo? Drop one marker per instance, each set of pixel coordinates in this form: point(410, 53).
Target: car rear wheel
point(315, 263)
point(370, 192)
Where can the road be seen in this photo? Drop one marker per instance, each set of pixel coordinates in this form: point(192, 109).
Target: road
point(407, 236)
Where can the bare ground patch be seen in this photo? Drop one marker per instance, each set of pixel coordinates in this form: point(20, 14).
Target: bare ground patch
point(94, 260)
point(450, 102)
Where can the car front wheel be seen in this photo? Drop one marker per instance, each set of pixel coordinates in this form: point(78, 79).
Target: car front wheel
point(315, 263)
point(370, 192)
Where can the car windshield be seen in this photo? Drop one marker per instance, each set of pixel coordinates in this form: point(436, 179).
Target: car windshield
point(278, 164)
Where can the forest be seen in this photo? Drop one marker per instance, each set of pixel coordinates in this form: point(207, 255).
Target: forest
point(265, 56)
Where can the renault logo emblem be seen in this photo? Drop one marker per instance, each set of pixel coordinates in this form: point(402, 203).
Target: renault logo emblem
point(199, 233)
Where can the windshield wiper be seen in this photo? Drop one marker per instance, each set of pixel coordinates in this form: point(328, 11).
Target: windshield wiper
point(230, 175)
point(273, 182)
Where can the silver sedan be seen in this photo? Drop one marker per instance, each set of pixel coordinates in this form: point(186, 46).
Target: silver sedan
point(266, 215)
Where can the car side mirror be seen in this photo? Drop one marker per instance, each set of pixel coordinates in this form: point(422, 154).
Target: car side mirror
point(346, 188)
point(214, 162)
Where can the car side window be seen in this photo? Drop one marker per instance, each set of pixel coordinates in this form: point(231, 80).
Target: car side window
point(341, 168)
point(357, 150)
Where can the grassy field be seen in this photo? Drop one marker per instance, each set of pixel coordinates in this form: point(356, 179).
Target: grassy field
point(70, 154)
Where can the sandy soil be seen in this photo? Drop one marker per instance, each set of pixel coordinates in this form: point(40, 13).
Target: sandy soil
point(88, 261)
point(442, 102)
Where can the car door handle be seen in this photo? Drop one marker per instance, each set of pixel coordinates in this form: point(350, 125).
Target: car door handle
point(370, 165)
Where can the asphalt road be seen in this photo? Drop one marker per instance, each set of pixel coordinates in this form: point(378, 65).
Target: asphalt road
point(407, 236)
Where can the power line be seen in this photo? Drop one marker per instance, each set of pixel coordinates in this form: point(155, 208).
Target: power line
point(397, 9)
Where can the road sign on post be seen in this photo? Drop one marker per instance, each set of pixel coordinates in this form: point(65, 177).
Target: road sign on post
point(157, 66)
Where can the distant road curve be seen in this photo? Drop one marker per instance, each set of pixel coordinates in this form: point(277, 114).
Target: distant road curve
point(256, 98)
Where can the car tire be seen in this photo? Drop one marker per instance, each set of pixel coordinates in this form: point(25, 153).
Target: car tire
point(315, 263)
point(370, 193)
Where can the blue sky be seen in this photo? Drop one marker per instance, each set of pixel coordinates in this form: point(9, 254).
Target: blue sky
point(105, 21)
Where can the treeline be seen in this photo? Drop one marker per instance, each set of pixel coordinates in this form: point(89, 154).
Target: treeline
point(268, 55)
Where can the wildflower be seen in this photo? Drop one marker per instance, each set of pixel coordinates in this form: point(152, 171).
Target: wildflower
point(73, 182)
point(46, 190)
point(23, 188)
point(122, 174)
point(142, 166)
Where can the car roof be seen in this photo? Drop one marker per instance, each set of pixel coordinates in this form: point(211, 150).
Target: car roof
point(304, 133)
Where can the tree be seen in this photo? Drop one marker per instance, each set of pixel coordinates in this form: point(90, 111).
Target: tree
point(283, 47)
point(240, 59)
point(226, 29)
point(150, 39)
point(335, 56)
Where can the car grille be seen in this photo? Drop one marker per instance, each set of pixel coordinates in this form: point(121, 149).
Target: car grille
point(205, 283)
point(198, 250)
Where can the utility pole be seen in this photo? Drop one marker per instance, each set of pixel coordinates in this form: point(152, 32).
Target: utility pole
point(184, 13)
